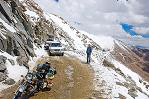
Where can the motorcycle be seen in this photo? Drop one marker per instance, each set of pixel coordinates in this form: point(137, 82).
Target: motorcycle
point(25, 87)
point(32, 83)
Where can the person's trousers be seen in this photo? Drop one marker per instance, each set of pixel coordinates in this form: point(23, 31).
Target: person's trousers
point(88, 58)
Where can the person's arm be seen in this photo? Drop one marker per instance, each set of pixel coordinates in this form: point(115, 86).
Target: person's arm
point(91, 49)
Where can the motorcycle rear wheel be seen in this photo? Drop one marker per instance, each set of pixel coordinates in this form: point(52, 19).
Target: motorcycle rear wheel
point(18, 95)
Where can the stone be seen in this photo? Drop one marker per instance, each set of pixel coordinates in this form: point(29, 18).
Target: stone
point(2, 63)
point(121, 96)
point(3, 44)
point(147, 86)
point(2, 76)
point(29, 43)
point(16, 52)
point(11, 61)
point(3, 58)
point(119, 83)
point(22, 60)
point(9, 81)
point(140, 80)
point(2, 67)
point(132, 92)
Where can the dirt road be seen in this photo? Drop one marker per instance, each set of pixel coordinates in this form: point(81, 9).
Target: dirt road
point(72, 81)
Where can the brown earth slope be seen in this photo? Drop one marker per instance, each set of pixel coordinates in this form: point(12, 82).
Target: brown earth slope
point(72, 81)
point(130, 59)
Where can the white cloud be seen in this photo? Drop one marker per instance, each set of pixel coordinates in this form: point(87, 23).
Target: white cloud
point(142, 30)
point(101, 16)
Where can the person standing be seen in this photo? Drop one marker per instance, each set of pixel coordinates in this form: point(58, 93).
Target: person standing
point(88, 52)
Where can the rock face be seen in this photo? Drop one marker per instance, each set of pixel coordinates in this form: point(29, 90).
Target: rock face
point(14, 43)
point(19, 31)
point(3, 69)
point(16, 34)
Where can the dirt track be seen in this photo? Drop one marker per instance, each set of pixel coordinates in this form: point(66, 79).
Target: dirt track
point(73, 80)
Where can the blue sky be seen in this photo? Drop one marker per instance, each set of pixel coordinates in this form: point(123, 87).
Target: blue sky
point(130, 29)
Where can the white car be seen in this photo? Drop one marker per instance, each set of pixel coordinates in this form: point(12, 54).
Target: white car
point(55, 48)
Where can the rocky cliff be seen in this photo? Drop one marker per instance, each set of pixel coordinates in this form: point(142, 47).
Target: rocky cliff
point(20, 31)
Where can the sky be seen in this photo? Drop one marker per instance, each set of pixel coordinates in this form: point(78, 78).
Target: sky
point(105, 17)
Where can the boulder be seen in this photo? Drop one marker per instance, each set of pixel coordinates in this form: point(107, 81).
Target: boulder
point(29, 43)
point(3, 44)
point(2, 63)
point(2, 67)
point(22, 60)
point(16, 52)
point(2, 76)
point(9, 81)
point(9, 45)
point(3, 59)
point(11, 61)
point(132, 92)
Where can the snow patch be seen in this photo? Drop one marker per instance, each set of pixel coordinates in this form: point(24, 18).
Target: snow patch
point(134, 76)
point(66, 28)
point(15, 71)
point(40, 52)
point(69, 72)
point(31, 13)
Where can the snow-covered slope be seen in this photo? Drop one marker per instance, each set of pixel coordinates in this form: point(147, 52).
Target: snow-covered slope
point(111, 77)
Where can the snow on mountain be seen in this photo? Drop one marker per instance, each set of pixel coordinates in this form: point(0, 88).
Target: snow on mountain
point(31, 13)
point(116, 80)
point(14, 71)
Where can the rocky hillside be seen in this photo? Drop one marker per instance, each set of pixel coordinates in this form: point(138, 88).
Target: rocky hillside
point(143, 53)
point(133, 58)
point(25, 27)
point(22, 27)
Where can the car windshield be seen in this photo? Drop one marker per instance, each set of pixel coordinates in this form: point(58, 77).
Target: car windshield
point(55, 45)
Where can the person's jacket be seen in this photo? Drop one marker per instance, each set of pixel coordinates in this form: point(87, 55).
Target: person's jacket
point(89, 50)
